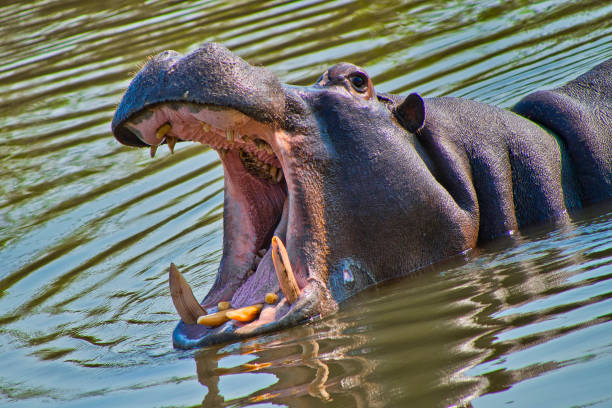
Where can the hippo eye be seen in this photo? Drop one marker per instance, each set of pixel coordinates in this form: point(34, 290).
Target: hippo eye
point(359, 82)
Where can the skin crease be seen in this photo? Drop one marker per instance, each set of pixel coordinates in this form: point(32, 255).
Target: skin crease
point(377, 185)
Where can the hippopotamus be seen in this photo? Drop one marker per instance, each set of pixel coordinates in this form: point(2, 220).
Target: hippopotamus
point(335, 187)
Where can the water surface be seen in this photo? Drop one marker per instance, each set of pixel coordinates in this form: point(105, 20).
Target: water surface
point(89, 227)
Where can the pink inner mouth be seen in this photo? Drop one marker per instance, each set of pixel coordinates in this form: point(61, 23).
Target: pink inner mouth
point(257, 197)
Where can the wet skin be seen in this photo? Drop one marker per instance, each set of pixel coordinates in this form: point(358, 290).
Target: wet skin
point(359, 186)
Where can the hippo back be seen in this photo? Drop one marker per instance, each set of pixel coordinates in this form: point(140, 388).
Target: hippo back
point(580, 113)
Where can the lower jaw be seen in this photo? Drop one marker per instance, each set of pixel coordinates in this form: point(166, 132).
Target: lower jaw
point(307, 307)
point(264, 280)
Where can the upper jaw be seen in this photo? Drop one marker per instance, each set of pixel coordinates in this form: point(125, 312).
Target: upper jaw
point(210, 75)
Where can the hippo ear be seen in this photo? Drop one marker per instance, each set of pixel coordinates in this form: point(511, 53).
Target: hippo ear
point(411, 112)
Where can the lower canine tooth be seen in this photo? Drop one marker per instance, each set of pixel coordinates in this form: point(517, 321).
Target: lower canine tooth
point(230, 135)
point(152, 151)
point(245, 314)
point(284, 272)
point(162, 131)
point(185, 303)
point(214, 319)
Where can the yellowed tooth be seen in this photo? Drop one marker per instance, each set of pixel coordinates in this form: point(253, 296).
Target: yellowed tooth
point(152, 151)
point(163, 130)
point(214, 319)
point(279, 176)
point(222, 153)
point(223, 306)
point(273, 171)
point(268, 148)
point(245, 314)
point(205, 127)
point(171, 141)
point(262, 252)
point(284, 272)
point(256, 366)
point(271, 298)
point(230, 134)
point(259, 144)
point(185, 303)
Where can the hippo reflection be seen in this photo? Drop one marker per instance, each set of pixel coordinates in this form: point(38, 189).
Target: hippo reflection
point(334, 187)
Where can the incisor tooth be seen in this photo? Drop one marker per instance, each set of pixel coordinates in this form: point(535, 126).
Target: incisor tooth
point(271, 298)
point(230, 134)
point(245, 314)
point(152, 151)
point(223, 306)
point(284, 272)
point(185, 303)
point(163, 130)
point(205, 127)
point(171, 141)
point(214, 319)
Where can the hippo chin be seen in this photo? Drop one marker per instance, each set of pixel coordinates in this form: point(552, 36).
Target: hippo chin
point(332, 188)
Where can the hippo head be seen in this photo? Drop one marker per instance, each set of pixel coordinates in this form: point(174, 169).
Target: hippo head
point(327, 188)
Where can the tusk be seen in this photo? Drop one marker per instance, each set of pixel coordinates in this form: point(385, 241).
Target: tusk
point(245, 314)
point(214, 319)
point(171, 141)
point(185, 303)
point(152, 151)
point(283, 269)
point(163, 130)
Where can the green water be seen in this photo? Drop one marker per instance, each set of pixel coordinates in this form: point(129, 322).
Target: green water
point(89, 227)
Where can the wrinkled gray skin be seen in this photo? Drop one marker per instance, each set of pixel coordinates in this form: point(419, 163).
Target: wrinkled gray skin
point(381, 185)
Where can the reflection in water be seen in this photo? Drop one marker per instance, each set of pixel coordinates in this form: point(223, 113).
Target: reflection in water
point(88, 228)
point(443, 337)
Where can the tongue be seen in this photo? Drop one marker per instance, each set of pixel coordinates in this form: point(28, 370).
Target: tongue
point(264, 279)
point(257, 285)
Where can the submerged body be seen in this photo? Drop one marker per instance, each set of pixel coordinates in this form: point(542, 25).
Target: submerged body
point(332, 188)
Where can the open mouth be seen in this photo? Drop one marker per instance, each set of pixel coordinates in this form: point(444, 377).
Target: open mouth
point(261, 276)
